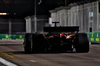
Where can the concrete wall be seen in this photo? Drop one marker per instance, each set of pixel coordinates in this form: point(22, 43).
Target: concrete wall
point(28, 24)
point(78, 15)
point(42, 21)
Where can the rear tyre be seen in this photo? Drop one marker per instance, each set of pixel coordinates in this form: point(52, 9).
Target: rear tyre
point(82, 42)
point(27, 43)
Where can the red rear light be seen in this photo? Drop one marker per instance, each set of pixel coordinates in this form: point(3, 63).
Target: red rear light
point(72, 45)
point(62, 35)
point(56, 35)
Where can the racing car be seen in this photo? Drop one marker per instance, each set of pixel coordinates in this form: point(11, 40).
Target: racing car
point(57, 39)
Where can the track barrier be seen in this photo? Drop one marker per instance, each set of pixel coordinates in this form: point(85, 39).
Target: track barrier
point(94, 37)
point(11, 37)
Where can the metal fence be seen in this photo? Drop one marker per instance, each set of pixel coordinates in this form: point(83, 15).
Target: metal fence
point(12, 26)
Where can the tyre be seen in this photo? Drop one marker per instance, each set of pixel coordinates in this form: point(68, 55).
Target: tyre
point(82, 42)
point(38, 43)
point(34, 46)
point(27, 43)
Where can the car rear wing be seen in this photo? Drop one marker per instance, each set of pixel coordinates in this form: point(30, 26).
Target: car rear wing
point(61, 29)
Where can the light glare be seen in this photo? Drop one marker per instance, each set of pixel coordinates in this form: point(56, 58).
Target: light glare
point(3, 13)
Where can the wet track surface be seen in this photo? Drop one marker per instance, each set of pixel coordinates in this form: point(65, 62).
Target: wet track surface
point(15, 54)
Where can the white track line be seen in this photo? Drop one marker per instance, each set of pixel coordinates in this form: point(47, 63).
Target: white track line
point(7, 63)
point(33, 61)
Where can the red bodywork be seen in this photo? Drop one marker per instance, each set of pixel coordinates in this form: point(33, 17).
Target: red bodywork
point(64, 35)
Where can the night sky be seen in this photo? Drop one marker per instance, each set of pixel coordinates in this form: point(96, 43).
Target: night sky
point(23, 8)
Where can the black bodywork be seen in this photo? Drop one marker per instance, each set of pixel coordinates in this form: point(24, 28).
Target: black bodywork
point(57, 39)
point(61, 38)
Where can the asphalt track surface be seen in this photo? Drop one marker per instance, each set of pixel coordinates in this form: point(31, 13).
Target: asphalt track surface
point(14, 53)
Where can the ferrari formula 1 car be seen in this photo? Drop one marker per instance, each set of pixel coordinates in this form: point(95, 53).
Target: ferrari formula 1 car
point(57, 39)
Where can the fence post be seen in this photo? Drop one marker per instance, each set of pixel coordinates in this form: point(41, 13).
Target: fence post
point(10, 21)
